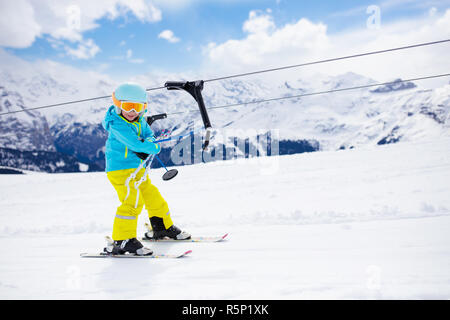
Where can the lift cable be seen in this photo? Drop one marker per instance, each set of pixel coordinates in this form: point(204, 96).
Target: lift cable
point(247, 74)
point(317, 93)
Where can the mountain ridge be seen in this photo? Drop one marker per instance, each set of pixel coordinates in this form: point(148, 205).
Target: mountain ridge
point(387, 114)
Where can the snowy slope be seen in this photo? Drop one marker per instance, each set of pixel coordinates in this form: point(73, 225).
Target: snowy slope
point(365, 223)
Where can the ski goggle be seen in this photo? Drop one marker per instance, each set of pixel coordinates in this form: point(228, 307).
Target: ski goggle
point(129, 106)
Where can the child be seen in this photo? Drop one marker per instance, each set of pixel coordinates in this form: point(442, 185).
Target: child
point(128, 132)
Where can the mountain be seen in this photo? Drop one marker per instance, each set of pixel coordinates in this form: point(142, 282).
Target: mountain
point(28, 130)
point(57, 132)
point(85, 141)
point(396, 85)
point(401, 111)
point(26, 141)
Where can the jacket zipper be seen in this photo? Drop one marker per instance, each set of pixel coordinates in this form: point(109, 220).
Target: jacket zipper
point(139, 134)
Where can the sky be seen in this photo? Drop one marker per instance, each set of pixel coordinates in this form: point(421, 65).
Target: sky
point(125, 38)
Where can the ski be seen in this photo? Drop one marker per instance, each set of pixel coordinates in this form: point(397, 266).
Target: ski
point(192, 239)
point(134, 256)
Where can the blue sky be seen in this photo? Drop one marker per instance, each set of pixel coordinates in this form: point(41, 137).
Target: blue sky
point(126, 44)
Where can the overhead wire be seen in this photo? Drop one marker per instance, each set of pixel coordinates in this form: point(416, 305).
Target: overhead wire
point(317, 93)
point(330, 60)
point(69, 102)
point(247, 74)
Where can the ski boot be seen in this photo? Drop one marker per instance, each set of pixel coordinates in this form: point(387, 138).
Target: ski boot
point(157, 231)
point(128, 246)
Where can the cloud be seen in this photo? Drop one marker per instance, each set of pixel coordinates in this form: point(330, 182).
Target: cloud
point(85, 49)
point(258, 23)
point(169, 36)
point(18, 27)
point(22, 21)
point(432, 11)
point(133, 60)
point(267, 45)
point(128, 57)
point(82, 49)
point(411, 4)
point(26, 72)
point(145, 11)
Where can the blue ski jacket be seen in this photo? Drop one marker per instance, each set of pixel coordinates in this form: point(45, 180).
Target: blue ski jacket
point(124, 137)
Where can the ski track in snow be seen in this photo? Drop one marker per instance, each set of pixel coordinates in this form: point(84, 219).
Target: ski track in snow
point(367, 223)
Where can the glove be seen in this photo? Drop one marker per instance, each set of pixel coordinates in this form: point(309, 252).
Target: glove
point(142, 155)
point(155, 150)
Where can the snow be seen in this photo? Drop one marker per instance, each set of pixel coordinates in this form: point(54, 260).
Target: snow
point(366, 223)
point(345, 119)
point(83, 167)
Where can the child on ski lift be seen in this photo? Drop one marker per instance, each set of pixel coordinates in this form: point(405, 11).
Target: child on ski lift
point(129, 134)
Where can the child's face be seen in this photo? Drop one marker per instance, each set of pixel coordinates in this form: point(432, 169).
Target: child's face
point(130, 116)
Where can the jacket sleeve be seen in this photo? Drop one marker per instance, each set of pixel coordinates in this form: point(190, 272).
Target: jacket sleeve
point(128, 137)
point(147, 132)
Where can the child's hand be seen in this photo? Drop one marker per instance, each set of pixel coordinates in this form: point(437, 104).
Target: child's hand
point(142, 155)
point(156, 149)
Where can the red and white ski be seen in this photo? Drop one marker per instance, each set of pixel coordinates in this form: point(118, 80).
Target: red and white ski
point(192, 239)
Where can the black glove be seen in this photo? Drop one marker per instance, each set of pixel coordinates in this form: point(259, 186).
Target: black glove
point(142, 155)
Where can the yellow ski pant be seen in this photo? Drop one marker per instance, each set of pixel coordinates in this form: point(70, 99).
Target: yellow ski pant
point(125, 221)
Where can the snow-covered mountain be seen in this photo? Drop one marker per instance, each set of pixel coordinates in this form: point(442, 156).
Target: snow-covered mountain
point(397, 112)
point(43, 130)
point(26, 141)
point(28, 130)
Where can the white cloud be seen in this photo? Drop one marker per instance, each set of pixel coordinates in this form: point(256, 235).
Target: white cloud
point(390, 6)
point(128, 57)
point(258, 23)
point(22, 21)
point(267, 45)
point(169, 36)
point(18, 27)
point(432, 11)
point(176, 5)
point(85, 49)
point(145, 11)
point(133, 60)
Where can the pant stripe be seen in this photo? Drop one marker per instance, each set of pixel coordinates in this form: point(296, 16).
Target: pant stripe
point(125, 217)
